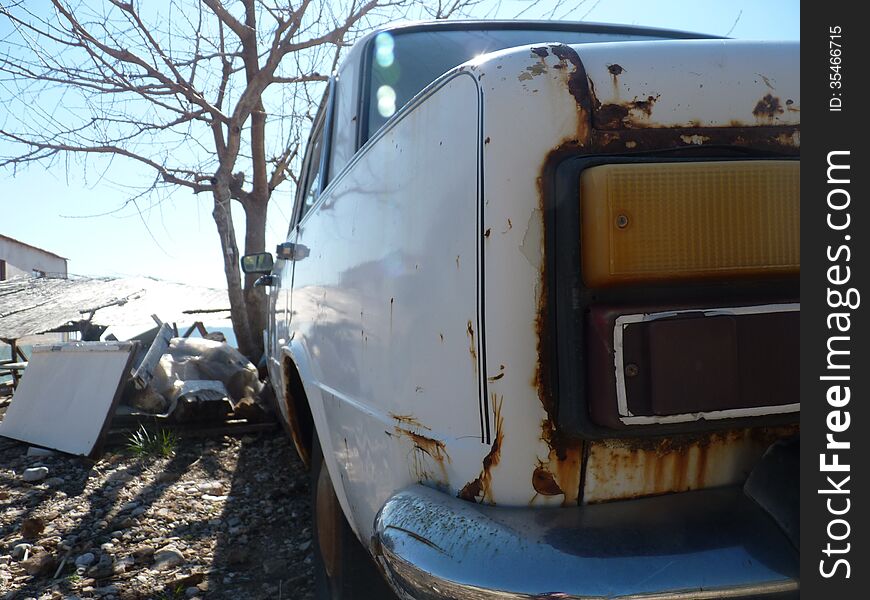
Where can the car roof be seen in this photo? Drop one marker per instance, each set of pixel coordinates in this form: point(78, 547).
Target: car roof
point(578, 26)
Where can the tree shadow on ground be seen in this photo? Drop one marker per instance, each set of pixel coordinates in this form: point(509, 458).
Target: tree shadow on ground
point(264, 548)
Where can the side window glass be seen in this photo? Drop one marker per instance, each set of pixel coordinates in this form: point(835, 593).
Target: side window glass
point(312, 185)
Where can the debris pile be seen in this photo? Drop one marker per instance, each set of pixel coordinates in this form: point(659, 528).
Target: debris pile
point(194, 378)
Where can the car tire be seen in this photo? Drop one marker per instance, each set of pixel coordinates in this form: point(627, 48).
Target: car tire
point(343, 568)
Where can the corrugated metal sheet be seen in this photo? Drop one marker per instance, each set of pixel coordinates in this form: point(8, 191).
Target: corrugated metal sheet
point(29, 306)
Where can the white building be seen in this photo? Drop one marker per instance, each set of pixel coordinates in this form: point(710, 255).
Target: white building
point(18, 258)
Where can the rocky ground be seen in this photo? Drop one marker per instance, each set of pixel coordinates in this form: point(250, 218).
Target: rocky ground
point(220, 518)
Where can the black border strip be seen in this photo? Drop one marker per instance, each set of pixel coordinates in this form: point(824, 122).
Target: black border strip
point(481, 277)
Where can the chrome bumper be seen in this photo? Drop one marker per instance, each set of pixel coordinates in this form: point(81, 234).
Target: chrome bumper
point(697, 545)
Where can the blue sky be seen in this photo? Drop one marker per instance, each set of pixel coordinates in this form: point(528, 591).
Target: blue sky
point(175, 238)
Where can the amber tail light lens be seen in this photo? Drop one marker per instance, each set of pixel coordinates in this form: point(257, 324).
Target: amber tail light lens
point(656, 222)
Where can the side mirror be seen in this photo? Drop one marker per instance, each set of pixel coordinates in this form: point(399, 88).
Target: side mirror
point(257, 263)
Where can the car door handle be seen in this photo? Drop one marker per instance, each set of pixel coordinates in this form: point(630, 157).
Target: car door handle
point(291, 251)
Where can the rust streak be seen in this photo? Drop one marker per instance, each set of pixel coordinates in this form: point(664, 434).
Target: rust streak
point(408, 420)
point(425, 446)
point(472, 347)
point(638, 467)
point(479, 489)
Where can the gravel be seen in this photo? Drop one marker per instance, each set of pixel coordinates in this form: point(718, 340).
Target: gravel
point(222, 518)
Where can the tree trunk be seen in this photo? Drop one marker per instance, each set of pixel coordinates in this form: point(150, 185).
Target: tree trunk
point(256, 300)
point(238, 309)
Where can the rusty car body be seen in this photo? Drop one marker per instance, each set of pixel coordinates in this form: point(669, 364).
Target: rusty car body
point(523, 379)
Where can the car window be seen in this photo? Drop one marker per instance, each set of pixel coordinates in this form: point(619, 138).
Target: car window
point(344, 118)
point(402, 64)
point(311, 185)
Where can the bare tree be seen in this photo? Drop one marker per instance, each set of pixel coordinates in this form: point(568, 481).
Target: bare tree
point(182, 88)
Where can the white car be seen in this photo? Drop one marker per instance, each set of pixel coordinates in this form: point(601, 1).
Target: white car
point(535, 325)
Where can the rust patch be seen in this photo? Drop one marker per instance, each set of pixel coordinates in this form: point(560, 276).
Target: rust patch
point(611, 116)
point(479, 489)
point(781, 140)
point(615, 69)
point(789, 106)
point(645, 106)
point(497, 376)
point(626, 114)
point(544, 482)
point(293, 422)
point(408, 420)
point(633, 468)
point(578, 82)
point(540, 52)
point(767, 108)
point(694, 139)
point(564, 462)
point(537, 69)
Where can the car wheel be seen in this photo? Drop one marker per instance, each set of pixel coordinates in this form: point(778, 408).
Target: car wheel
point(343, 568)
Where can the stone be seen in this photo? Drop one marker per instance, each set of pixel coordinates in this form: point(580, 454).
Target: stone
point(55, 481)
point(274, 566)
point(167, 557)
point(191, 592)
point(31, 527)
point(86, 559)
point(34, 451)
point(237, 555)
point(166, 477)
point(106, 590)
point(19, 550)
point(40, 565)
point(104, 568)
point(210, 486)
point(122, 565)
point(128, 506)
point(34, 474)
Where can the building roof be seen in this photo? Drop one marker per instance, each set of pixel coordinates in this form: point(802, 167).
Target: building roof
point(33, 305)
point(31, 246)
